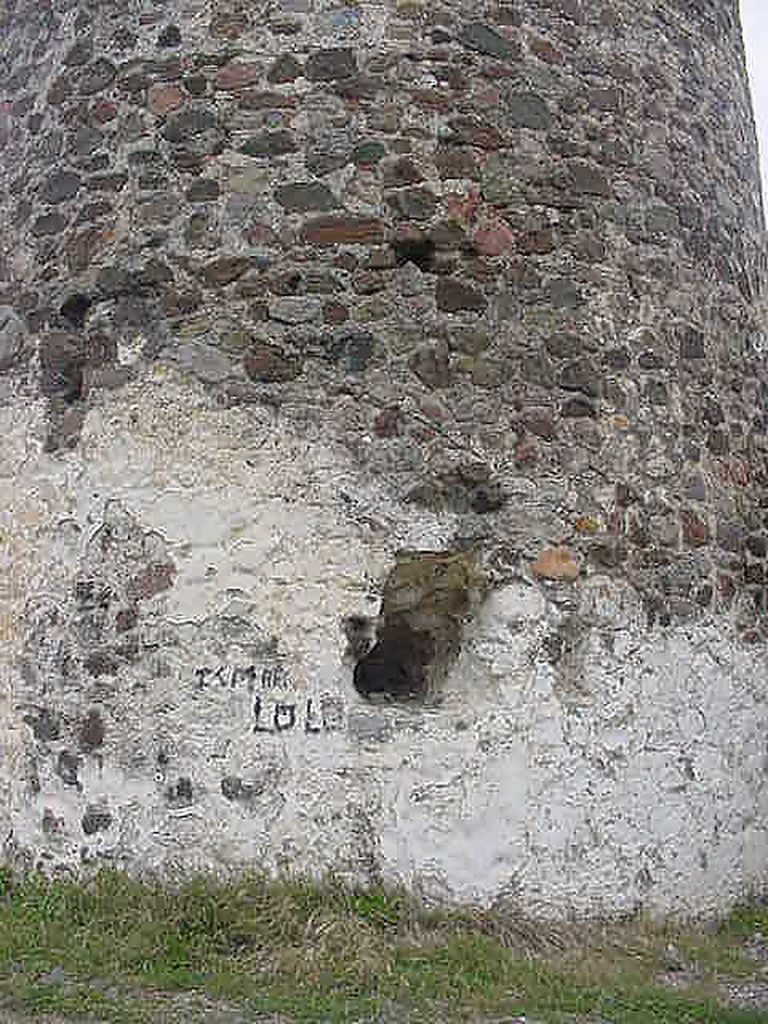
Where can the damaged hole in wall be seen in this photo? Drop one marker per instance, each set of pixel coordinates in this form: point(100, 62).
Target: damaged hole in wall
point(420, 251)
point(428, 596)
point(75, 308)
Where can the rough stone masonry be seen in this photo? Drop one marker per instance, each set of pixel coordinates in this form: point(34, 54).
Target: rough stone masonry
point(383, 404)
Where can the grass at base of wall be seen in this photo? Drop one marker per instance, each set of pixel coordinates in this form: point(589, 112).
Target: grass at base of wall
point(115, 949)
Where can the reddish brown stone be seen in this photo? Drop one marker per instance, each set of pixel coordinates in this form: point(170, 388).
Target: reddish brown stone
point(162, 98)
point(537, 242)
point(269, 364)
point(432, 99)
point(526, 450)
point(368, 282)
point(153, 580)
point(225, 269)
point(696, 533)
point(476, 133)
point(259, 233)
point(456, 162)
point(342, 231)
point(104, 111)
point(335, 313)
point(229, 25)
point(125, 619)
point(82, 247)
point(402, 171)
point(540, 421)
point(388, 422)
point(493, 241)
point(462, 206)
point(544, 50)
point(726, 588)
point(556, 563)
point(238, 75)
point(453, 295)
point(751, 636)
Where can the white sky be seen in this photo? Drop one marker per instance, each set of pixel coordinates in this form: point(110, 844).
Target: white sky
point(754, 18)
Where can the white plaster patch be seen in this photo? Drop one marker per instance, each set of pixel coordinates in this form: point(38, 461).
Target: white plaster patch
point(573, 761)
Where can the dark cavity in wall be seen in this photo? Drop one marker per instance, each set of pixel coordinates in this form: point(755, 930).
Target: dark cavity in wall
point(398, 662)
point(75, 309)
point(428, 597)
point(420, 251)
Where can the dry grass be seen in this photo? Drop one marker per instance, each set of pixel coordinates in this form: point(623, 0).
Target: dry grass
point(252, 949)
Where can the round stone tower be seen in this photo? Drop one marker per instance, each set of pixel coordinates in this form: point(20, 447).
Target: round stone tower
point(383, 394)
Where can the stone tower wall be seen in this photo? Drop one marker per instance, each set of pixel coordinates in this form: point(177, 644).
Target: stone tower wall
point(385, 399)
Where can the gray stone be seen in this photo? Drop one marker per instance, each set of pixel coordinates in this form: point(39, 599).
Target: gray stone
point(97, 76)
point(204, 361)
point(170, 36)
point(296, 309)
point(414, 203)
point(580, 375)
point(590, 180)
point(61, 185)
point(13, 331)
point(692, 344)
point(204, 190)
point(499, 184)
point(84, 141)
point(351, 347)
point(95, 819)
point(56, 976)
point(410, 280)
point(656, 392)
point(327, 65)
point(285, 69)
point(196, 129)
point(662, 220)
point(366, 728)
point(564, 293)
point(270, 143)
point(78, 54)
point(324, 161)
point(303, 197)
point(484, 39)
point(49, 224)
point(527, 110)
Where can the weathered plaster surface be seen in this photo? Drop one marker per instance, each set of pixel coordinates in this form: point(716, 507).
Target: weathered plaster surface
point(573, 760)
